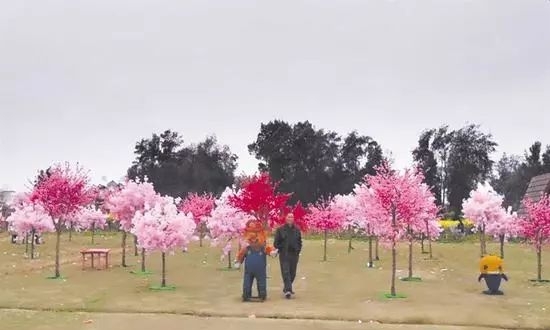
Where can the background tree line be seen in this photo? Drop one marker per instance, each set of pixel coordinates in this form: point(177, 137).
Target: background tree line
point(315, 163)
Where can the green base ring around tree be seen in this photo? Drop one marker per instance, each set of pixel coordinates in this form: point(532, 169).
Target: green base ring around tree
point(411, 279)
point(540, 281)
point(56, 278)
point(140, 273)
point(397, 296)
point(162, 288)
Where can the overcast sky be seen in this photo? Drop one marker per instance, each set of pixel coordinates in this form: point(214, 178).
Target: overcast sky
point(84, 80)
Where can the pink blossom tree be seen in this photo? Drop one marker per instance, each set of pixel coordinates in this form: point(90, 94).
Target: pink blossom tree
point(483, 207)
point(506, 226)
point(226, 224)
point(161, 227)
point(61, 194)
point(536, 227)
point(30, 219)
point(125, 203)
point(325, 217)
point(393, 206)
point(200, 206)
point(348, 204)
point(90, 218)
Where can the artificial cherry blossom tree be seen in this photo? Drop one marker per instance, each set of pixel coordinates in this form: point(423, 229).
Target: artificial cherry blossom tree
point(161, 227)
point(483, 207)
point(348, 204)
point(392, 206)
point(506, 226)
point(200, 206)
point(259, 198)
point(325, 218)
point(62, 194)
point(226, 224)
point(30, 219)
point(90, 218)
point(536, 227)
point(126, 202)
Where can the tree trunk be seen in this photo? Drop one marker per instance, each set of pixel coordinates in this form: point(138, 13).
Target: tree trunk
point(143, 270)
point(350, 238)
point(325, 247)
point(430, 246)
point(393, 255)
point(124, 249)
point(410, 255)
point(376, 257)
point(201, 233)
point(482, 240)
point(26, 243)
point(32, 244)
point(136, 252)
point(93, 233)
point(371, 264)
point(539, 259)
point(71, 233)
point(501, 238)
point(163, 283)
point(57, 247)
point(423, 237)
point(229, 260)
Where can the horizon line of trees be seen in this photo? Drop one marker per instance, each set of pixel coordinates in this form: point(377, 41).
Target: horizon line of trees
point(315, 164)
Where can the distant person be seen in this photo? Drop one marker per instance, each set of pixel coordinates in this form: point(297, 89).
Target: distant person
point(288, 242)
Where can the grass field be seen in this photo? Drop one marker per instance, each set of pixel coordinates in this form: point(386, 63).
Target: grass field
point(208, 296)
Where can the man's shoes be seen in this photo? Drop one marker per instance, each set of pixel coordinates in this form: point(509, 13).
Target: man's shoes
point(292, 292)
point(288, 295)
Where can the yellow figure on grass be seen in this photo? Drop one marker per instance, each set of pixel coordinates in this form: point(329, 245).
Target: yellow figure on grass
point(491, 269)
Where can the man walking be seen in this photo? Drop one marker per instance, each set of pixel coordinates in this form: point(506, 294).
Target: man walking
point(288, 242)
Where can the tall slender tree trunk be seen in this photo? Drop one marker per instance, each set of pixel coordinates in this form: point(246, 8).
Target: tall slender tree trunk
point(93, 233)
point(393, 255)
point(163, 283)
point(350, 230)
point(26, 243)
point(376, 257)
point(410, 255)
point(371, 264)
point(501, 239)
point(325, 247)
point(422, 238)
point(57, 248)
point(32, 244)
point(430, 246)
point(136, 252)
point(482, 240)
point(71, 232)
point(229, 260)
point(539, 258)
point(124, 249)
point(201, 233)
point(143, 269)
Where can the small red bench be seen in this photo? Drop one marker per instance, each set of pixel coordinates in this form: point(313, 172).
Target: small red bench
point(93, 253)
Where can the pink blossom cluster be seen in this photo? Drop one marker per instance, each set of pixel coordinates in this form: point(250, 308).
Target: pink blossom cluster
point(326, 217)
point(133, 197)
point(484, 207)
point(28, 217)
point(90, 218)
point(226, 222)
point(199, 206)
point(536, 225)
point(507, 226)
point(350, 206)
point(161, 227)
point(401, 195)
point(63, 192)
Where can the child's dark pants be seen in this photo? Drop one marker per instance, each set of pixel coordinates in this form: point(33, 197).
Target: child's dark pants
point(255, 264)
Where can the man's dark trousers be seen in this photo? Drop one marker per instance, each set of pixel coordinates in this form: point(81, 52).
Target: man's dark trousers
point(255, 264)
point(289, 263)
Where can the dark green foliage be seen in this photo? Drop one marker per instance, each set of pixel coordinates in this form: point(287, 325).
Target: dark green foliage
point(176, 169)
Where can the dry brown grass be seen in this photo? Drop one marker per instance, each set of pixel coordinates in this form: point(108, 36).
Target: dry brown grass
point(340, 289)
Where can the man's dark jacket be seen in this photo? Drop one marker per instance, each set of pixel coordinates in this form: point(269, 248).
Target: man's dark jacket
point(288, 240)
